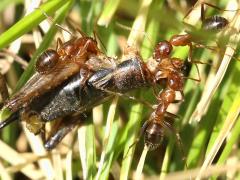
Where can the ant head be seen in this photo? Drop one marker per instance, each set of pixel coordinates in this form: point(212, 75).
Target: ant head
point(153, 135)
point(46, 61)
point(162, 50)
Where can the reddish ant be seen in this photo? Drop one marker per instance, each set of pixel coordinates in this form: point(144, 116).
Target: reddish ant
point(60, 65)
point(82, 92)
point(212, 24)
point(160, 121)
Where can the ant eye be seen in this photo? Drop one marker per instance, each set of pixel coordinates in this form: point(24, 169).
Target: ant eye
point(162, 50)
point(46, 61)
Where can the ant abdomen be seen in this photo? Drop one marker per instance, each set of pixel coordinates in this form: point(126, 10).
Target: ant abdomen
point(214, 23)
point(153, 135)
point(46, 61)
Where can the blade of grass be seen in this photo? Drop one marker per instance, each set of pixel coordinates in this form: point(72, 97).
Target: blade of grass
point(90, 152)
point(110, 151)
point(108, 12)
point(108, 130)
point(5, 3)
point(136, 110)
point(233, 113)
point(29, 22)
point(45, 43)
point(232, 89)
point(229, 52)
point(138, 173)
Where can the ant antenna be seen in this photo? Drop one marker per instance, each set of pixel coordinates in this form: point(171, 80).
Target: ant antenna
point(96, 37)
point(56, 24)
point(145, 125)
point(130, 29)
point(95, 34)
point(133, 144)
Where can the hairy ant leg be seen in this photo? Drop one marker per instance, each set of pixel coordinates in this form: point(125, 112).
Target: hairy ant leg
point(128, 97)
point(168, 125)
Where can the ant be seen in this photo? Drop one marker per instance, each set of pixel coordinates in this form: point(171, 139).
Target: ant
point(82, 88)
point(212, 24)
point(160, 121)
point(81, 92)
point(59, 64)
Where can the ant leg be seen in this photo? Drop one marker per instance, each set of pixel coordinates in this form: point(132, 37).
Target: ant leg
point(171, 115)
point(63, 128)
point(182, 94)
point(198, 72)
point(168, 125)
point(216, 7)
point(144, 127)
point(198, 80)
point(202, 13)
point(127, 96)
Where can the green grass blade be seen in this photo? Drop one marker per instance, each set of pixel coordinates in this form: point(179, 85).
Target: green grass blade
point(5, 3)
point(90, 151)
point(45, 43)
point(29, 22)
point(108, 12)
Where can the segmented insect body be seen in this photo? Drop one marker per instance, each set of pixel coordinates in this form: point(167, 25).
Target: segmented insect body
point(77, 96)
point(78, 93)
point(54, 67)
point(160, 120)
point(210, 26)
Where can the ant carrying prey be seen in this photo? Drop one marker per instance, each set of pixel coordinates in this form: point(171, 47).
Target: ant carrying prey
point(64, 107)
point(84, 90)
point(84, 77)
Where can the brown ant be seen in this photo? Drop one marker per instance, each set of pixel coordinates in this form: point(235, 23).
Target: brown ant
point(160, 121)
point(81, 92)
point(212, 24)
point(60, 65)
